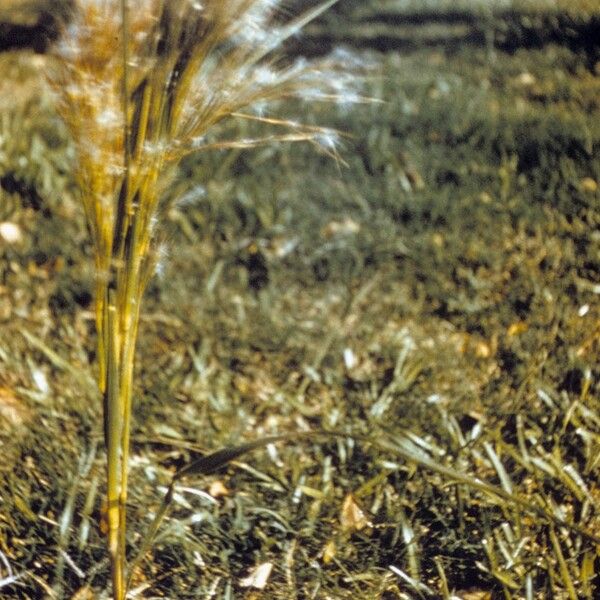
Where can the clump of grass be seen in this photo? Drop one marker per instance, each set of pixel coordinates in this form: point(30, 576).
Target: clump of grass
point(139, 90)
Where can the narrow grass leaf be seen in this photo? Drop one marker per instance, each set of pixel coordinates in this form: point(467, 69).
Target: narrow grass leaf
point(507, 484)
point(563, 567)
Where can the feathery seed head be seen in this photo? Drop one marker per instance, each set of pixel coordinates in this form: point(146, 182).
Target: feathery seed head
point(191, 64)
point(328, 139)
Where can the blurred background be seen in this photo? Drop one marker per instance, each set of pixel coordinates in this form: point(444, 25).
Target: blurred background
point(441, 279)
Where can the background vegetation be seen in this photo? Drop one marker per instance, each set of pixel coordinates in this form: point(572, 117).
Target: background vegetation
point(440, 288)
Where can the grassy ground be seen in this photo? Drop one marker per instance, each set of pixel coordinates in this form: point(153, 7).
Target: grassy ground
point(439, 295)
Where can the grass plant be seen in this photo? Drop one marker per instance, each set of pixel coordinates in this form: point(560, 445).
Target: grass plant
point(139, 88)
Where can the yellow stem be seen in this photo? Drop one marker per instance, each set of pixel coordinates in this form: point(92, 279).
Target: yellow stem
point(127, 382)
point(132, 290)
point(113, 424)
